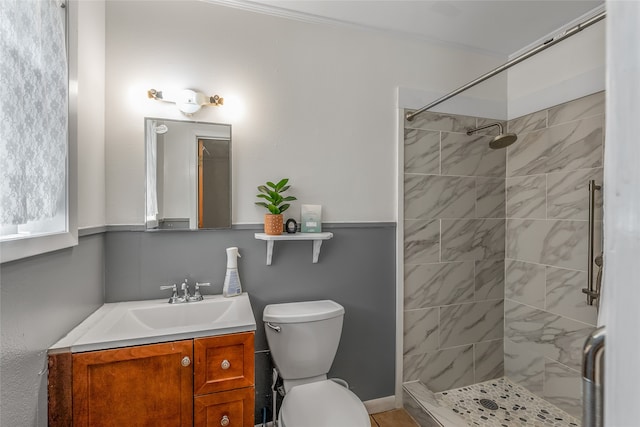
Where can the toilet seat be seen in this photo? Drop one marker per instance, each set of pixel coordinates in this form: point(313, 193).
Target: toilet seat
point(322, 404)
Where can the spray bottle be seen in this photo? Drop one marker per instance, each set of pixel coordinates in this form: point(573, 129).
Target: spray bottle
point(232, 285)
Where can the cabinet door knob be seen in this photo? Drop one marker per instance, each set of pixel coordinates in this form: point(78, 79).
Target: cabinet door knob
point(224, 421)
point(225, 364)
point(186, 361)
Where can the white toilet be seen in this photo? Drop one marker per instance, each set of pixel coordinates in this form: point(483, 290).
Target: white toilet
point(303, 338)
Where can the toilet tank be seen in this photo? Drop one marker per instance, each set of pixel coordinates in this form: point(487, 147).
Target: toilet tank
point(308, 337)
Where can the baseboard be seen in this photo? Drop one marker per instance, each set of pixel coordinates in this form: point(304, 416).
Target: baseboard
point(380, 405)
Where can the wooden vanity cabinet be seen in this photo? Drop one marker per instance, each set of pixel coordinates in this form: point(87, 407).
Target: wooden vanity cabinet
point(196, 382)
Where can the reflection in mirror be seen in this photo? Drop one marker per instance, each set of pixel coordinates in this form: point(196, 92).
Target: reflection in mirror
point(188, 167)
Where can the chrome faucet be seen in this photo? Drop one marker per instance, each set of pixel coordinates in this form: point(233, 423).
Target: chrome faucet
point(186, 296)
point(185, 291)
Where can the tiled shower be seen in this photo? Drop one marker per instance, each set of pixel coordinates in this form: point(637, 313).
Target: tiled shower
point(495, 250)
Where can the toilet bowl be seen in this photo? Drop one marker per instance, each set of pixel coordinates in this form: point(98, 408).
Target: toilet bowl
point(303, 339)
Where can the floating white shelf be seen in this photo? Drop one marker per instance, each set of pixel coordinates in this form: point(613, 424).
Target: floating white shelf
point(317, 239)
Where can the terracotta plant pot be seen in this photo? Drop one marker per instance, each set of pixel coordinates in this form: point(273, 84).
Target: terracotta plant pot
point(273, 224)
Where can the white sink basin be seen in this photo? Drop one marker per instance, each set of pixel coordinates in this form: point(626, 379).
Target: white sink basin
point(167, 316)
point(145, 322)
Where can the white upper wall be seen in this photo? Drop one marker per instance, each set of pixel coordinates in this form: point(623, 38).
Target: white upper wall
point(312, 102)
point(91, 105)
point(573, 68)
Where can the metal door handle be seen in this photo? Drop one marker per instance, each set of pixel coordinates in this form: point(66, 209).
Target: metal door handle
point(593, 379)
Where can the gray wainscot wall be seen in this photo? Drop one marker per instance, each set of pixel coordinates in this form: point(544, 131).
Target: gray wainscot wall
point(356, 268)
point(42, 298)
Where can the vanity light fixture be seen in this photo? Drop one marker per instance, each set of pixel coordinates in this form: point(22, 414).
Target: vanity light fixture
point(187, 101)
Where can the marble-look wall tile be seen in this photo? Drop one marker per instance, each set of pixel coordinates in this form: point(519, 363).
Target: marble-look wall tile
point(568, 194)
point(470, 155)
point(525, 283)
point(431, 285)
point(420, 331)
point(434, 196)
point(557, 243)
point(526, 197)
point(549, 335)
point(565, 297)
point(421, 241)
point(440, 121)
point(489, 360)
point(470, 323)
point(421, 151)
point(563, 388)
point(441, 370)
point(490, 197)
point(489, 279)
point(528, 123)
point(587, 106)
point(472, 239)
point(571, 146)
point(524, 366)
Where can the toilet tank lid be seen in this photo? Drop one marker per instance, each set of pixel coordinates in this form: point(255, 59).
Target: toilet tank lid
point(307, 311)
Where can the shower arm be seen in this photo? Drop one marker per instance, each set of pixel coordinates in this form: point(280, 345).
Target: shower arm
point(547, 44)
point(500, 128)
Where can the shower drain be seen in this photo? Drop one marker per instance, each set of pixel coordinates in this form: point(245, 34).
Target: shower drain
point(489, 404)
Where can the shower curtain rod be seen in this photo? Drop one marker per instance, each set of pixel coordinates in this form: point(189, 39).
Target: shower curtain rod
point(547, 44)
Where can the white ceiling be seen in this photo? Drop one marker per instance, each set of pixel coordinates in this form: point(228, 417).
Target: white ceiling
point(502, 27)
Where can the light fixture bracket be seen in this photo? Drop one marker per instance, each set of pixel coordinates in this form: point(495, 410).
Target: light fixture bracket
point(188, 101)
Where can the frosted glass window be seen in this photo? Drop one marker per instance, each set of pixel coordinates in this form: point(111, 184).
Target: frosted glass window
point(33, 119)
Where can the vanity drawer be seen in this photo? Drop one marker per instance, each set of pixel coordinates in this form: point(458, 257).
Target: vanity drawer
point(226, 408)
point(223, 363)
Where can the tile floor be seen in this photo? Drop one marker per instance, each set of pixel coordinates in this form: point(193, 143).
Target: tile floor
point(500, 402)
point(493, 403)
point(394, 418)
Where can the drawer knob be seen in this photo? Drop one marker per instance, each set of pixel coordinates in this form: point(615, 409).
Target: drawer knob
point(186, 361)
point(225, 364)
point(224, 421)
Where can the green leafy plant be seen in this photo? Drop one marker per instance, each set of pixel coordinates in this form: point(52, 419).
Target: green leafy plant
point(272, 193)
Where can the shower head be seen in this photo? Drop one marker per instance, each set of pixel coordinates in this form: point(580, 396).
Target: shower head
point(503, 140)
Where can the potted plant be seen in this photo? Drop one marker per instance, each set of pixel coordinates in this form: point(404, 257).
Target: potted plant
point(275, 204)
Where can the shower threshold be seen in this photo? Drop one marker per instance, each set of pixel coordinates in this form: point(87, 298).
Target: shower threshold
point(494, 403)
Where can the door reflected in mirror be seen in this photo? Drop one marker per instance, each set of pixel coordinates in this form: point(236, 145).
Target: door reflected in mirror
point(188, 172)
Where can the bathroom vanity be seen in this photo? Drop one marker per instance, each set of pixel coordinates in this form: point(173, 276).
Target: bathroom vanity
point(203, 380)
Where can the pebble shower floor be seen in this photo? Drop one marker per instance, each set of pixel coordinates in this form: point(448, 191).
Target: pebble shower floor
point(501, 403)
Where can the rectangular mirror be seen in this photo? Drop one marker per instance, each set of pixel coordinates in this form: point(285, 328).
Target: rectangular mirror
point(188, 170)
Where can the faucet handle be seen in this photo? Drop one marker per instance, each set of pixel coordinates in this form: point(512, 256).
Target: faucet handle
point(197, 296)
point(174, 296)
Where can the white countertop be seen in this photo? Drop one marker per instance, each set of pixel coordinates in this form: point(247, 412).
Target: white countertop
point(113, 324)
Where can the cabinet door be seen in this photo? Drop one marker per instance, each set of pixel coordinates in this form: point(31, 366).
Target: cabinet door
point(225, 409)
point(134, 386)
point(223, 363)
